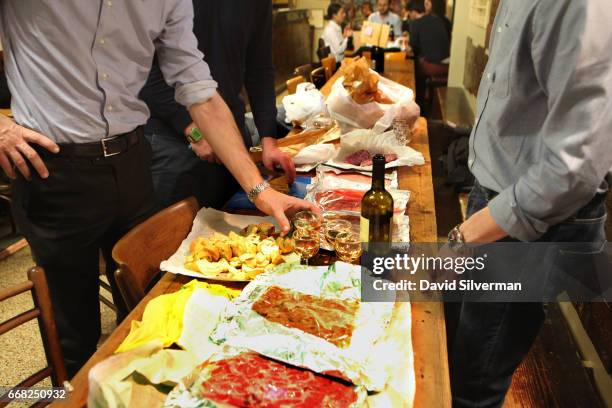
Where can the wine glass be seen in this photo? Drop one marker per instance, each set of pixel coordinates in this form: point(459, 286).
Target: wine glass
point(333, 228)
point(307, 221)
point(348, 246)
point(307, 245)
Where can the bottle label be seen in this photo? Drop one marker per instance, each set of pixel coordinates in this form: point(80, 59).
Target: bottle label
point(364, 229)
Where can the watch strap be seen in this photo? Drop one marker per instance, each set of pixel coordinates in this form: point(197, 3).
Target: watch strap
point(257, 189)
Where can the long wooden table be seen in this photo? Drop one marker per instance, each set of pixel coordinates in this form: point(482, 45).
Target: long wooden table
point(428, 328)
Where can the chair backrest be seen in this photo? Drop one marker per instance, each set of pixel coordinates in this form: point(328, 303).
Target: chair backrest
point(303, 71)
point(139, 253)
point(395, 56)
point(330, 66)
point(318, 77)
point(323, 50)
point(43, 312)
point(293, 83)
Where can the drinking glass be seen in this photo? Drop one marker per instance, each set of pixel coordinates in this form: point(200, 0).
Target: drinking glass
point(307, 245)
point(333, 228)
point(348, 246)
point(307, 221)
point(401, 130)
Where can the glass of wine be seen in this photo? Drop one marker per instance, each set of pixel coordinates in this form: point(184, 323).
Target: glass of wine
point(307, 245)
point(348, 246)
point(307, 221)
point(333, 228)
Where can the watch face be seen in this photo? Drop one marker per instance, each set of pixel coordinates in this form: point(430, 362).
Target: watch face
point(195, 135)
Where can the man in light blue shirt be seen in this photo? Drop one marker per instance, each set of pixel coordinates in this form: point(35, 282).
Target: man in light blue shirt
point(540, 152)
point(384, 16)
point(83, 167)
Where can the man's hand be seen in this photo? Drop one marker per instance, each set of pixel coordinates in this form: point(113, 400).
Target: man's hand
point(204, 151)
point(481, 228)
point(272, 156)
point(282, 206)
point(15, 148)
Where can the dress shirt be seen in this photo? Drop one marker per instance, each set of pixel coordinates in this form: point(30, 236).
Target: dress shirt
point(332, 35)
point(236, 39)
point(544, 116)
point(75, 68)
point(391, 19)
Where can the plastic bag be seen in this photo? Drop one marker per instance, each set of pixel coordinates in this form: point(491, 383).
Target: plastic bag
point(373, 115)
point(383, 143)
point(305, 103)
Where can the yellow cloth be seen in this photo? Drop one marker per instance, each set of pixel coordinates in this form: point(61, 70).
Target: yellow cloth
point(162, 320)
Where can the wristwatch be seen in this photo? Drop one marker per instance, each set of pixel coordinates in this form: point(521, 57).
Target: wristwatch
point(257, 189)
point(456, 241)
point(194, 135)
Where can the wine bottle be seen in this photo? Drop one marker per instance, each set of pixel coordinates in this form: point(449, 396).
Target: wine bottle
point(377, 208)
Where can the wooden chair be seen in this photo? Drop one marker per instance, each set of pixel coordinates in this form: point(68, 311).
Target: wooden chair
point(43, 312)
point(293, 83)
point(329, 64)
point(139, 253)
point(319, 77)
point(303, 71)
point(395, 56)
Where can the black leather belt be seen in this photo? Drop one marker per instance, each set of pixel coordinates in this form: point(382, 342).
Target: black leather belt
point(107, 147)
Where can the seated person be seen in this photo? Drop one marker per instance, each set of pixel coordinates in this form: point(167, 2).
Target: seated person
point(334, 37)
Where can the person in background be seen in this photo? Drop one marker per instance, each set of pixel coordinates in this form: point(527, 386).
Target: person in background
point(76, 150)
point(540, 152)
point(439, 11)
point(236, 39)
point(333, 35)
point(430, 43)
point(384, 16)
point(366, 10)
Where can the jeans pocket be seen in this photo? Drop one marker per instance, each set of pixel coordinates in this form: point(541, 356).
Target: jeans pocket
point(583, 271)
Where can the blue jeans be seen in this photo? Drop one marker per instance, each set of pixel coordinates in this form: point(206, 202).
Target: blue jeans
point(178, 173)
point(488, 341)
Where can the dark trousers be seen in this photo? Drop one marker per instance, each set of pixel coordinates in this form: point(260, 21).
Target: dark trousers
point(488, 341)
point(80, 210)
point(178, 173)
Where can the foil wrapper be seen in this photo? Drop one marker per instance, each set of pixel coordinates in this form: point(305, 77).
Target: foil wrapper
point(364, 361)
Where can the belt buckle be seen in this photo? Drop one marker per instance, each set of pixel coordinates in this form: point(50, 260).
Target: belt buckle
point(104, 147)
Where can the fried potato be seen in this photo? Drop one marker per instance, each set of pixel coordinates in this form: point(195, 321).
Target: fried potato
point(238, 256)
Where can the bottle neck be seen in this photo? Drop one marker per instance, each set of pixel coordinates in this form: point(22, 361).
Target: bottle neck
point(378, 175)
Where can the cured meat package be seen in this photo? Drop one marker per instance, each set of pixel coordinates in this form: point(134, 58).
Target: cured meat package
point(312, 317)
point(333, 193)
point(238, 378)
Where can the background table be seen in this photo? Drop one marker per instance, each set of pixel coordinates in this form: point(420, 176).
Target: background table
point(428, 328)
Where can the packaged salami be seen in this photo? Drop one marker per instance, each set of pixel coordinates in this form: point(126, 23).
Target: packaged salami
point(312, 317)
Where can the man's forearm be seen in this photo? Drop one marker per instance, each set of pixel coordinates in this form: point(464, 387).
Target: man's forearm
point(217, 124)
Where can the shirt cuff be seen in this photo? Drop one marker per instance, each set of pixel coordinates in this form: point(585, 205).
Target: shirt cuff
point(509, 216)
point(195, 92)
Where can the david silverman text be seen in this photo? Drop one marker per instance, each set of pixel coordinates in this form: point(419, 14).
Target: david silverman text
point(462, 285)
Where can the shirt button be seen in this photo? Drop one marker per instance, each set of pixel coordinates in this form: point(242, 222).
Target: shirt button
point(104, 77)
point(499, 29)
point(110, 3)
point(471, 162)
point(110, 108)
point(488, 75)
point(102, 41)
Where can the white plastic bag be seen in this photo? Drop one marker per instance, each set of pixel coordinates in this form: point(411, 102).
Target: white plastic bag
point(305, 103)
point(373, 115)
point(383, 143)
